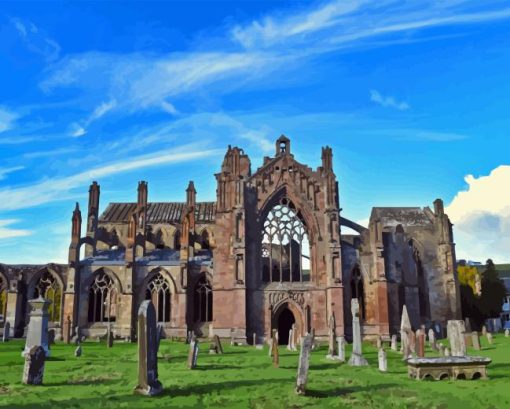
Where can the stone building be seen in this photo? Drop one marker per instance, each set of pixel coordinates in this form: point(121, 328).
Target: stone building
point(268, 253)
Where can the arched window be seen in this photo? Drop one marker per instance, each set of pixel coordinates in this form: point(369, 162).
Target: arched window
point(158, 291)
point(357, 290)
point(102, 299)
point(3, 298)
point(203, 301)
point(285, 245)
point(48, 287)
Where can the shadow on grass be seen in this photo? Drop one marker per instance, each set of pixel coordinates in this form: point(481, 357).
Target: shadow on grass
point(214, 367)
point(338, 391)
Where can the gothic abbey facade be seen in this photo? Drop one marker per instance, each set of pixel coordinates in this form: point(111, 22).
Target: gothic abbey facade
point(269, 252)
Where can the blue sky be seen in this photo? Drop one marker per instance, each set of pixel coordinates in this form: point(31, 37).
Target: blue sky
point(412, 96)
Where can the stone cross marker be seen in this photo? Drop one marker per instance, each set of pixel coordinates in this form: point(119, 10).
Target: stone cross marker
point(193, 353)
point(34, 366)
point(148, 383)
point(67, 330)
point(356, 358)
point(475, 338)
point(383, 361)
point(7, 329)
point(274, 350)
point(420, 335)
point(37, 334)
point(394, 342)
point(456, 330)
point(304, 362)
point(78, 351)
point(341, 348)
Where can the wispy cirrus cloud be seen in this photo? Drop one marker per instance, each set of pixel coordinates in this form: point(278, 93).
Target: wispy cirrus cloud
point(387, 101)
point(7, 232)
point(36, 40)
point(78, 129)
point(7, 119)
point(53, 189)
point(5, 171)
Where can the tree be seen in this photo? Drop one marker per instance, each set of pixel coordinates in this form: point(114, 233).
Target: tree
point(493, 291)
point(471, 306)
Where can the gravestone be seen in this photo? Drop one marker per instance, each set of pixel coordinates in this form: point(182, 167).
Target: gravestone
point(109, 337)
point(78, 351)
point(33, 370)
point(341, 348)
point(467, 325)
point(37, 334)
point(432, 339)
point(77, 336)
point(217, 344)
point(193, 353)
point(67, 330)
point(405, 331)
point(489, 338)
point(148, 383)
point(211, 330)
point(455, 330)
point(357, 358)
point(441, 349)
point(412, 341)
point(379, 343)
point(383, 361)
point(294, 338)
point(303, 365)
point(289, 342)
point(270, 344)
point(7, 330)
point(484, 330)
point(254, 339)
point(274, 350)
point(394, 342)
point(507, 333)
point(420, 335)
point(232, 339)
point(475, 339)
point(332, 336)
point(447, 352)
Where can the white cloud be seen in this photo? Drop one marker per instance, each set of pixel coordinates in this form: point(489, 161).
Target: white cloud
point(36, 40)
point(7, 119)
point(481, 215)
point(76, 130)
point(7, 233)
point(80, 129)
point(5, 171)
point(388, 101)
point(62, 188)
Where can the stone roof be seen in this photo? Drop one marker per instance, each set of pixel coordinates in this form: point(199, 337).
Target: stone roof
point(159, 212)
point(407, 216)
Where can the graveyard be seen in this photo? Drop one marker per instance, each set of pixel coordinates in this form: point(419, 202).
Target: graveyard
point(242, 377)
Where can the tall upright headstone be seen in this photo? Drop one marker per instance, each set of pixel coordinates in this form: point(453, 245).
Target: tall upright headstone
point(7, 330)
point(254, 339)
point(489, 338)
point(405, 333)
point(341, 348)
point(357, 358)
point(289, 342)
point(109, 337)
point(67, 330)
point(394, 342)
point(484, 330)
point(294, 338)
point(274, 350)
point(507, 333)
point(232, 337)
point(193, 353)
point(456, 330)
point(420, 337)
point(304, 362)
point(475, 340)
point(148, 383)
point(382, 360)
point(432, 339)
point(332, 336)
point(37, 334)
point(33, 370)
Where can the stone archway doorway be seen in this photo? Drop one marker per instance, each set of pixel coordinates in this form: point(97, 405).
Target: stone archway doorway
point(285, 321)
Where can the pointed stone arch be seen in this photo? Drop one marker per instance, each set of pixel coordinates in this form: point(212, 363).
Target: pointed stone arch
point(104, 289)
point(48, 283)
point(159, 287)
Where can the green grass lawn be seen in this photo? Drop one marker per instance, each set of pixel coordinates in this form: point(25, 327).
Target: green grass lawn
point(241, 378)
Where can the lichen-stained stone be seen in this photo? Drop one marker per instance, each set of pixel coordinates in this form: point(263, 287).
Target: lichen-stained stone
point(33, 370)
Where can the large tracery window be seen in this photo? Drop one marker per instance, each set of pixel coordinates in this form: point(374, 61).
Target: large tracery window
point(203, 300)
point(158, 291)
point(48, 287)
point(102, 299)
point(285, 245)
point(3, 298)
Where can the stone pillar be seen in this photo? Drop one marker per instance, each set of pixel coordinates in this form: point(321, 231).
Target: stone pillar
point(37, 334)
point(148, 383)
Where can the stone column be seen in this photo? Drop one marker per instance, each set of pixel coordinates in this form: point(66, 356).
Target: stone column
point(37, 334)
point(148, 383)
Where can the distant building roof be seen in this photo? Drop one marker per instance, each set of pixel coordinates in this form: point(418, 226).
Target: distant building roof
point(159, 212)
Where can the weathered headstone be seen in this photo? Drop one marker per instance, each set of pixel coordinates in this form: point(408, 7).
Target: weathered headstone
point(211, 330)
point(232, 337)
point(7, 330)
point(77, 336)
point(484, 330)
point(148, 383)
point(405, 331)
point(33, 371)
point(489, 338)
point(341, 348)
point(441, 349)
point(270, 344)
point(109, 337)
point(455, 330)
point(507, 333)
point(254, 339)
point(67, 330)
point(332, 336)
point(289, 342)
point(37, 334)
point(274, 350)
point(432, 339)
point(394, 342)
point(193, 353)
point(294, 338)
point(304, 362)
point(412, 341)
point(357, 358)
point(475, 338)
point(217, 343)
point(383, 361)
point(51, 337)
point(78, 351)
point(420, 335)
point(447, 352)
